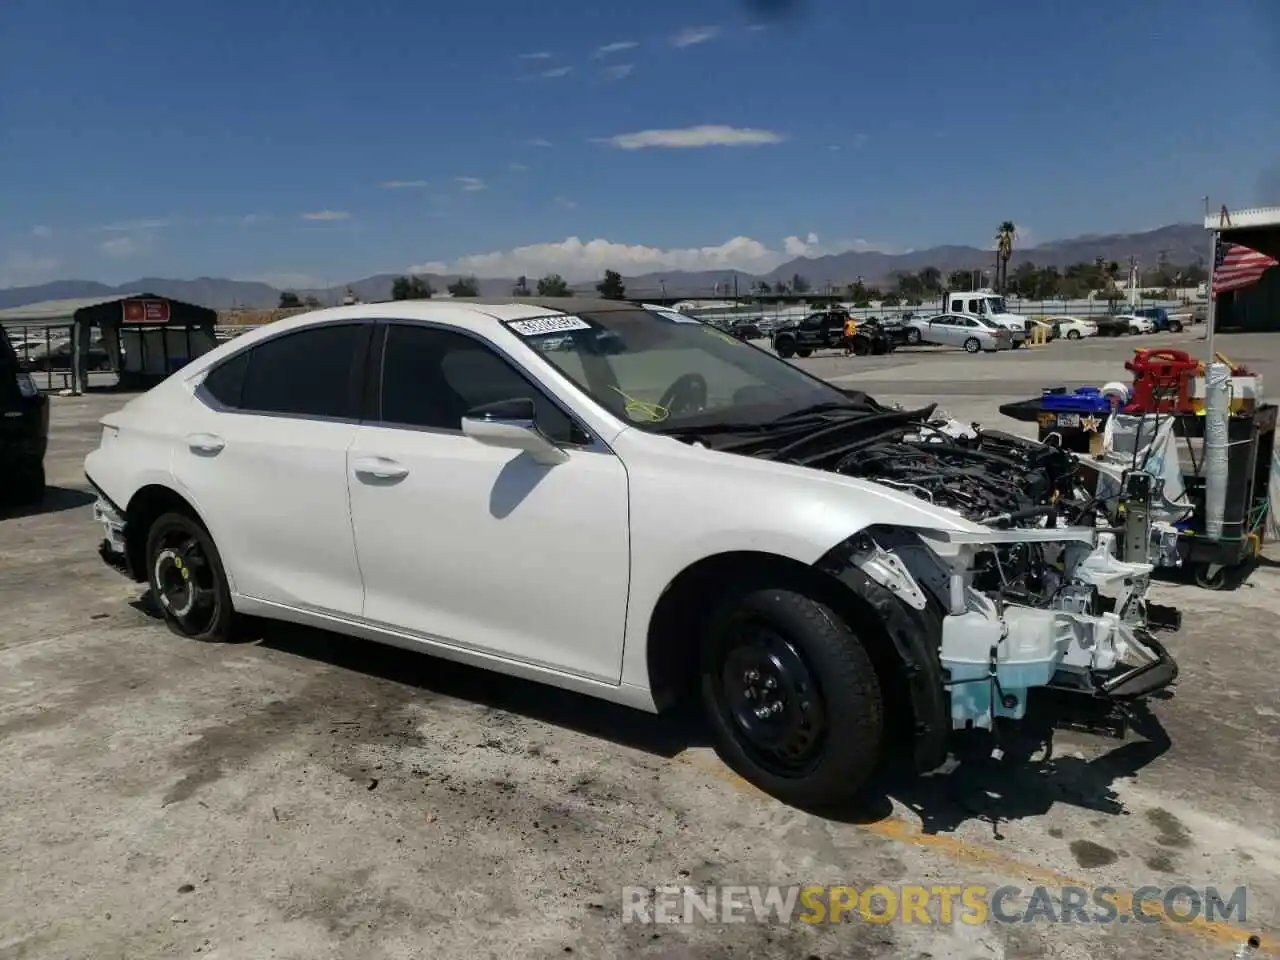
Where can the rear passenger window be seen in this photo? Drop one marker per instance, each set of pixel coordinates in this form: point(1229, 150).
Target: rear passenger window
point(306, 373)
point(432, 377)
point(225, 382)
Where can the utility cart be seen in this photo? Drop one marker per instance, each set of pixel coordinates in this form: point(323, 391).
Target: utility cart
point(1076, 421)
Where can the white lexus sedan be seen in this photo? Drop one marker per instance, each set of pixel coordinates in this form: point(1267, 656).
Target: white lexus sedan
point(560, 490)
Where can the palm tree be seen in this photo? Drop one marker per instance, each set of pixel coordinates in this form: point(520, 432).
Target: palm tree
point(1004, 250)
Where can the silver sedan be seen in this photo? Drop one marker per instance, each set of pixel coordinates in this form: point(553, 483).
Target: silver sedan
point(972, 334)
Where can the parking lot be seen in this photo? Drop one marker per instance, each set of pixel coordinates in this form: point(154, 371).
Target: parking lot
point(310, 796)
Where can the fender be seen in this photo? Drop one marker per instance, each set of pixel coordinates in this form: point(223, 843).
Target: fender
point(916, 636)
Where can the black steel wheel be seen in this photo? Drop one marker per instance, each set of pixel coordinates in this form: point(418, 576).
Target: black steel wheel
point(785, 347)
point(188, 583)
point(792, 697)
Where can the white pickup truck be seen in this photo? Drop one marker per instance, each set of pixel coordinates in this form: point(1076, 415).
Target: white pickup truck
point(990, 306)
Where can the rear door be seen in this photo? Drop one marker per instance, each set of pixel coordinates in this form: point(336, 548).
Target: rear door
point(263, 455)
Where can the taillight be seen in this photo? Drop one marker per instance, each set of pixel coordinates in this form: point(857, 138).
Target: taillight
point(26, 386)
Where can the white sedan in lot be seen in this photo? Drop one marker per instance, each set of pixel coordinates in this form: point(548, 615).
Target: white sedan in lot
point(1073, 328)
point(459, 478)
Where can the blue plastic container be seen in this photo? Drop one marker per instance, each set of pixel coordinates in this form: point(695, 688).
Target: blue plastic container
point(1084, 400)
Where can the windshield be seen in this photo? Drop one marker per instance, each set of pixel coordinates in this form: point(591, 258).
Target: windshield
point(659, 370)
point(996, 305)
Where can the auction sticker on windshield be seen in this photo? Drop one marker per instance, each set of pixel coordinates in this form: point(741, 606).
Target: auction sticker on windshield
point(536, 328)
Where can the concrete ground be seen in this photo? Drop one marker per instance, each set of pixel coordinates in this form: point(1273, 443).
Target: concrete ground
point(308, 796)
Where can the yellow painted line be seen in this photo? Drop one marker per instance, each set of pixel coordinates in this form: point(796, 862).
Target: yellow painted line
point(974, 855)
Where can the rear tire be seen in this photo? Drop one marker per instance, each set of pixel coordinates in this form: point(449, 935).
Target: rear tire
point(861, 347)
point(1015, 344)
point(779, 650)
point(804, 353)
point(1073, 334)
point(913, 337)
point(187, 579)
point(972, 345)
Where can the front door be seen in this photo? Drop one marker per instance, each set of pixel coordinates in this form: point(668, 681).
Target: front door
point(484, 548)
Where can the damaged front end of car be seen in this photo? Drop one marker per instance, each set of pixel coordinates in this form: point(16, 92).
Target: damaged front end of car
point(972, 652)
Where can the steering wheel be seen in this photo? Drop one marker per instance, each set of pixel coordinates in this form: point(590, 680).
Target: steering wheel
point(688, 394)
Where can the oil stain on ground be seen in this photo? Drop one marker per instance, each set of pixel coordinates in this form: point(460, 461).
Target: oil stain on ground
point(1089, 854)
point(1172, 831)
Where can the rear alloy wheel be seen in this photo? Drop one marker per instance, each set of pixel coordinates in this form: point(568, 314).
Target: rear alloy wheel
point(792, 697)
point(972, 345)
point(1073, 334)
point(187, 580)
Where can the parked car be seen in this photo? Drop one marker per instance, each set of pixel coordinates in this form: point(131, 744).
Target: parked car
point(972, 334)
point(1160, 319)
point(825, 331)
point(1073, 328)
point(895, 328)
point(1123, 324)
point(56, 354)
point(24, 430)
point(425, 474)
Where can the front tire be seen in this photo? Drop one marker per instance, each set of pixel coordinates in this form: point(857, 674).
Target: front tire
point(913, 338)
point(804, 353)
point(188, 582)
point(792, 697)
point(785, 349)
point(972, 345)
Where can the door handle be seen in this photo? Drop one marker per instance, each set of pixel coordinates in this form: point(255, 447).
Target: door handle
point(380, 468)
point(205, 443)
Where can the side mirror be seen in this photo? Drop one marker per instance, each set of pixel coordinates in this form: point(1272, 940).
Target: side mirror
point(512, 425)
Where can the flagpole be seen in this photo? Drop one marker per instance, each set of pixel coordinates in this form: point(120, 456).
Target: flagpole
point(1210, 315)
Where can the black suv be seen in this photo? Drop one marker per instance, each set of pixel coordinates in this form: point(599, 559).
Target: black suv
point(24, 431)
point(825, 331)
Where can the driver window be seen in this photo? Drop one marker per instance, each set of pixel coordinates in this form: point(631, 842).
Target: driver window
point(812, 322)
point(432, 377)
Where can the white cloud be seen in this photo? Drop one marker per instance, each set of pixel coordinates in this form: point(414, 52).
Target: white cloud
point(21, 269)
point(403, 184)
point(618, 71)
point(615, 47)
point(557, 72)
point(578, 260)
point(540, 55)
point(707, 135)
point(327, 215)
point(470, 184)
point(517, 167)
point(119, 247)
point(537, 142)
point(690, 36)
point(42, 231)
point(566, 203)
point(133, 226)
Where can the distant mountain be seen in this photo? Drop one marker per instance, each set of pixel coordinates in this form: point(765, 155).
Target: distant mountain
point(1182, 244)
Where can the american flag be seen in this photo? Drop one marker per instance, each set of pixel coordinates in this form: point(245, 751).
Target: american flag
point(1236, 266)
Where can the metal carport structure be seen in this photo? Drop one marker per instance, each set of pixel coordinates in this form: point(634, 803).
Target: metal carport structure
point(158, 334)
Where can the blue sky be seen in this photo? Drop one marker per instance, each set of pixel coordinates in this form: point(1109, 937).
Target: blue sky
point(257, 139)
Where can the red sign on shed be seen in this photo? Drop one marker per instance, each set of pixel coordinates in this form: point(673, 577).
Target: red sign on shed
point(146, 311)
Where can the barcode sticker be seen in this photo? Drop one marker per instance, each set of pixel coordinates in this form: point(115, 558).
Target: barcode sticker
point(536, 328)
point(1068, 419)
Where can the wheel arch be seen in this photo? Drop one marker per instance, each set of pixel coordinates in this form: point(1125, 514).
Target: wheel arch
point(146, 505)
point(896, 639)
